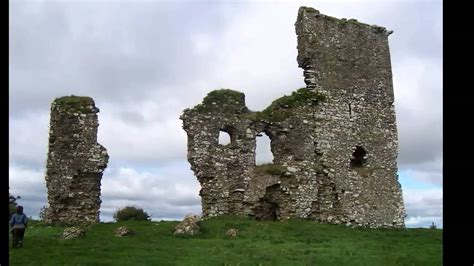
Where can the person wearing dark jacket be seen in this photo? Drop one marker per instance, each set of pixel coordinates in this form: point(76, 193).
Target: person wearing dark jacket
point(18, 223)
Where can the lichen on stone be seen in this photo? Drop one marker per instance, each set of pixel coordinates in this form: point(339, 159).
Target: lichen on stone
point(189, 226)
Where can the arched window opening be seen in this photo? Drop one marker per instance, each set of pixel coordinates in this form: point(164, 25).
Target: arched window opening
point(224, 138)
point(359, 157)
point(263, 151)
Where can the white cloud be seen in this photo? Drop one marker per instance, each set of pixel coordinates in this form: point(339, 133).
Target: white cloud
point(423, 206)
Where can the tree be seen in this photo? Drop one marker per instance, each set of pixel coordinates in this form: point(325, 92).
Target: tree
point(42, 213)
point(12, 204)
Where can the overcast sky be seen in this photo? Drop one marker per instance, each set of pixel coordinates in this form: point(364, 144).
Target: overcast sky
point(144, 62)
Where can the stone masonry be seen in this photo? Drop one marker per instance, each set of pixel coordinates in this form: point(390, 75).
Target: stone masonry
point(334, 142)
point(75, 162)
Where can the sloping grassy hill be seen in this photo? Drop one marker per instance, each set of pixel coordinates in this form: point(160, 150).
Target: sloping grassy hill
point(294, 242)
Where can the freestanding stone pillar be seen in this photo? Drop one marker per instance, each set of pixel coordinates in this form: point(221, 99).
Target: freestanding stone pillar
point(75, 162)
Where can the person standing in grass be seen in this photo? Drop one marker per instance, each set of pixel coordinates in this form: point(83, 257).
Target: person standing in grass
point(18, 222)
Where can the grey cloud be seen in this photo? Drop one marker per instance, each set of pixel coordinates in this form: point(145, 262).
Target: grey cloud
point(419, 141)
point(419, 118)
point(115, 51)
point(132, 117)
point(421, 26)
point(416, 53)
point(188, 200)
point(429, 207)
point(149, 143)
point(428, 171)
point(28, 140)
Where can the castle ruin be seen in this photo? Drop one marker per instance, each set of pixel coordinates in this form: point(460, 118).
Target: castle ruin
point(75, 162)
point(334, 142)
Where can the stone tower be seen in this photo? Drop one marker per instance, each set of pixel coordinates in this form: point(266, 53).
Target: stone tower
point(75, 162)
point(334, 142)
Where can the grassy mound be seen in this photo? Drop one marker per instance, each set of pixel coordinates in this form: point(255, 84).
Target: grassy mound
point(293, 242)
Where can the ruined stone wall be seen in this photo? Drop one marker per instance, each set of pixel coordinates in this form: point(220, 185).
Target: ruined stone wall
point(75, 162)
point(334, 142)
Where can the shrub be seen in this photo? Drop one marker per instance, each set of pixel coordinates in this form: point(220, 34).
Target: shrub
point(12, 204)
point(42, 213)
point(130, 213)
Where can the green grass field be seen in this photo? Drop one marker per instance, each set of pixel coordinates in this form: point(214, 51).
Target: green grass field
point(293, 242)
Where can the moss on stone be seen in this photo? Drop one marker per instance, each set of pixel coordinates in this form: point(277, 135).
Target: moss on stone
point(76, 103)
point(341, 22)
point(250, 115)
point(344, 21)
point(281, 108)
point(271, 169)
point(309, 9)
point(224, 100)
point(230, 101)
point(334, 19)
point(364, 170)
